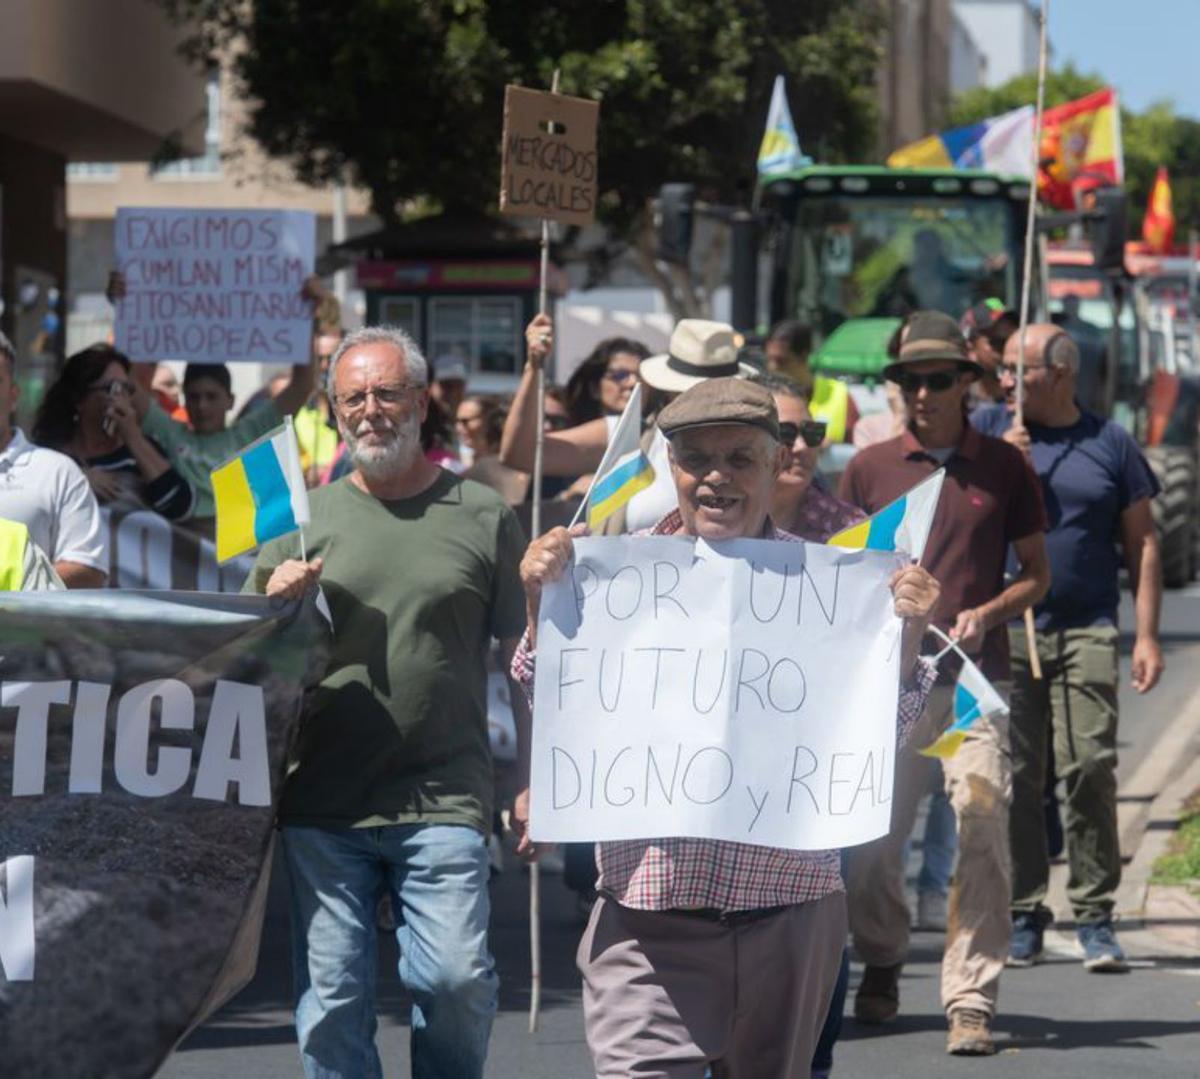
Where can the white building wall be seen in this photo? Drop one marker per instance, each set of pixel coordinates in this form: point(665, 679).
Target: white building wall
point(1006, 32)
point(968, 64)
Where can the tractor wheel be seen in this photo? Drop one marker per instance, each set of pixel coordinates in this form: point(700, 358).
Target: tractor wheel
point(1175, 511)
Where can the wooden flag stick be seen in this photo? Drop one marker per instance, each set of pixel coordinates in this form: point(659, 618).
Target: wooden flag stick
point(1035, 662)
point(535, 901)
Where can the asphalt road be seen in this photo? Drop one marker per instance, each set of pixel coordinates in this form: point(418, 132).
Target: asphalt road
point(1055, 1020)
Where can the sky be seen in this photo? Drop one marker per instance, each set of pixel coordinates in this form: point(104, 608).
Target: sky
point(1148, 49)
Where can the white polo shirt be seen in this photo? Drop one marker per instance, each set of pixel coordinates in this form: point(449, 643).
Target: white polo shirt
point(50, 495)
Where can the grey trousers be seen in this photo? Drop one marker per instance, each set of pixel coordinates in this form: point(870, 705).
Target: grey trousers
point(669, 995)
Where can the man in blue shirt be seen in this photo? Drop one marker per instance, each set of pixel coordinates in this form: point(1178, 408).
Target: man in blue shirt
point(1097, 489)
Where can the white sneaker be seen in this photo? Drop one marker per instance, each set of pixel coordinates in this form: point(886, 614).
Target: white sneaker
point(931, 912)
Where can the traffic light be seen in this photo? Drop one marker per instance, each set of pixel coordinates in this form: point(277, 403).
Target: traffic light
point(674, 221)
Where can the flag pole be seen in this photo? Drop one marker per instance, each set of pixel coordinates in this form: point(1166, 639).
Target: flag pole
point(1035, 662)
point(535, 523)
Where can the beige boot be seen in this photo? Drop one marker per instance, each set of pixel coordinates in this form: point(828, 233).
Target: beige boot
point(970, 1034)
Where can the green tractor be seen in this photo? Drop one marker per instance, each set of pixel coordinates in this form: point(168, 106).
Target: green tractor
point(853, 249)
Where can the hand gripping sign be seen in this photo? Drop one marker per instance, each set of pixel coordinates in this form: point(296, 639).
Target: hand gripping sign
point(743, 691)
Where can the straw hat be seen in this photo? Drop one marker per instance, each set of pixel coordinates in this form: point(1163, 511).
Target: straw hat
point(699, 349)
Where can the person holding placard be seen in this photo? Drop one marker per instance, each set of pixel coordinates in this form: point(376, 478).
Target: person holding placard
point(207, 393)
point(682, 923)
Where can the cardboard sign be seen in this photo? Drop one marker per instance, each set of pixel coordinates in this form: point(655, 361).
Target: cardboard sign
point(548, 163)
point(743, 691)
point(215, 286)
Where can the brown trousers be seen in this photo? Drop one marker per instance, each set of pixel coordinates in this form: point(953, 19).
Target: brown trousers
point(979, 786)
point(668, 995)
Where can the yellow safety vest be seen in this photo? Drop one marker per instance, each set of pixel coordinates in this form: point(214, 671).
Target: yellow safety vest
point(317, 440)
point(831, 402)
point(14, 537)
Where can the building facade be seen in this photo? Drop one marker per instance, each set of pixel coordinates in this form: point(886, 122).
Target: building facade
point(1006, 31)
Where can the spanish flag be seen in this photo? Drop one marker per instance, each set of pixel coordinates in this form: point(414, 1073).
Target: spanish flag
point(1158, 226)
point(1081, 147)
point(260, 494)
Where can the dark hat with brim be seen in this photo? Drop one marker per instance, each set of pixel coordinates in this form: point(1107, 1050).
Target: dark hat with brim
point(717, 402)
point(932, 335)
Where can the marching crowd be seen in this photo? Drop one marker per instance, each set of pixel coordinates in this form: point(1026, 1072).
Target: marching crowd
point(391, 792)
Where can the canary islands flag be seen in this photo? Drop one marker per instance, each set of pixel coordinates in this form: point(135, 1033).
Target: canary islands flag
point(1000, 144)
point(902, 525)
point(624, 470)
point(974, 697)
point(260, 493)
point(780, 148)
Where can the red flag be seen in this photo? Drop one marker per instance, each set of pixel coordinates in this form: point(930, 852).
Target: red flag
point(1158, 226)
point(1081, 148)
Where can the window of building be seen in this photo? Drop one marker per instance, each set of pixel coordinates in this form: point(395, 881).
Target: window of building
point(209, 163)
point(483, 332)
point(92, 170)
point(402, 311)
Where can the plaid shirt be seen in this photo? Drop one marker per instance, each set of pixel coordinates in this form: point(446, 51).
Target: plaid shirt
point(683, 873)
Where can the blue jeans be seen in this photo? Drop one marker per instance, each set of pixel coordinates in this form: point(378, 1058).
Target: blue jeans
point(437, 876)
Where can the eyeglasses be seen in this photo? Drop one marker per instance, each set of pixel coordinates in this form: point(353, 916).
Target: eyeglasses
point(620, 375)
point(812, 431)
point(937, 381)
point(385, 397)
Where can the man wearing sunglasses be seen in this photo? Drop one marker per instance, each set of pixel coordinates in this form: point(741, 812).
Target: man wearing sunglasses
point(990, 500)
point(1092, 471)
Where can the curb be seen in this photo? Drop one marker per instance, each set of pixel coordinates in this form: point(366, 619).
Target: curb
point(1166, 918)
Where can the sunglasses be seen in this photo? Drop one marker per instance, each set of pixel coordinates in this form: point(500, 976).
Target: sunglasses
point(620, 375)
point(812, 431)
point(937, 382)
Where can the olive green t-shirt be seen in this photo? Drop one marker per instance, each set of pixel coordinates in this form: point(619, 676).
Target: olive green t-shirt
point(396, 731)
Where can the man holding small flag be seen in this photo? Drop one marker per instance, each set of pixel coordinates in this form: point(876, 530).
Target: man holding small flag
point(389, 789)
point(989, 500)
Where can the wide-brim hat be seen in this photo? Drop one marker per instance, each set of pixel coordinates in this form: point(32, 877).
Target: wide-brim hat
point(932, 335)
point(699, 349)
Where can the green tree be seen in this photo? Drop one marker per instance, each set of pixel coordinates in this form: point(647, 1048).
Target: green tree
point(404, 97)
point(1151, 138)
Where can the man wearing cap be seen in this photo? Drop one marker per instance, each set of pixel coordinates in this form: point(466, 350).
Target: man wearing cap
point(990, 500)
point(699, 952)
point(1099, 487)
point(699, 349)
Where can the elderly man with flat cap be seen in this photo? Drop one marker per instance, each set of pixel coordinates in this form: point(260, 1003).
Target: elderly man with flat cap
point(699, 953)
point(1098, 486)
point(990, 500)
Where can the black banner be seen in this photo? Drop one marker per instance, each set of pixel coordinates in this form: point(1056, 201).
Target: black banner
point(143, 738)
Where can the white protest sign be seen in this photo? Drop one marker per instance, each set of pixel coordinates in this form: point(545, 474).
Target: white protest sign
point(743, 691)
point(215, 286)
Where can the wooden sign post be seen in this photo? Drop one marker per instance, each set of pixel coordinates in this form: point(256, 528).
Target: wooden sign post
point(547, 170)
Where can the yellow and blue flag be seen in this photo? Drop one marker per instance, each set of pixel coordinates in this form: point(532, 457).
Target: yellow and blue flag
point(260, 493)
point(974, 698)
point(779, 150)
point(624, 470)
point(902, 525)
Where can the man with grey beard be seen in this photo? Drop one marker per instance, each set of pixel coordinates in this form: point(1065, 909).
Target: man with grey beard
point(389, 788)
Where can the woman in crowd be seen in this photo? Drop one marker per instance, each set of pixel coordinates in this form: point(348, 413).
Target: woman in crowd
point(89, 414)
point(699, 349)
point(480, 425)
point(601, 385)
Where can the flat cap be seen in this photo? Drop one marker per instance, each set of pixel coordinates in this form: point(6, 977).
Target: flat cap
point(717, 401)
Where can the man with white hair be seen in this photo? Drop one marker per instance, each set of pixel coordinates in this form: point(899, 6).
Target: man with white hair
point(1097, 488)
point(389, 788)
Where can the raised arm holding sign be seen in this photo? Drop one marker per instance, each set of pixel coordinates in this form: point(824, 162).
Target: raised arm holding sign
point(700, 764)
